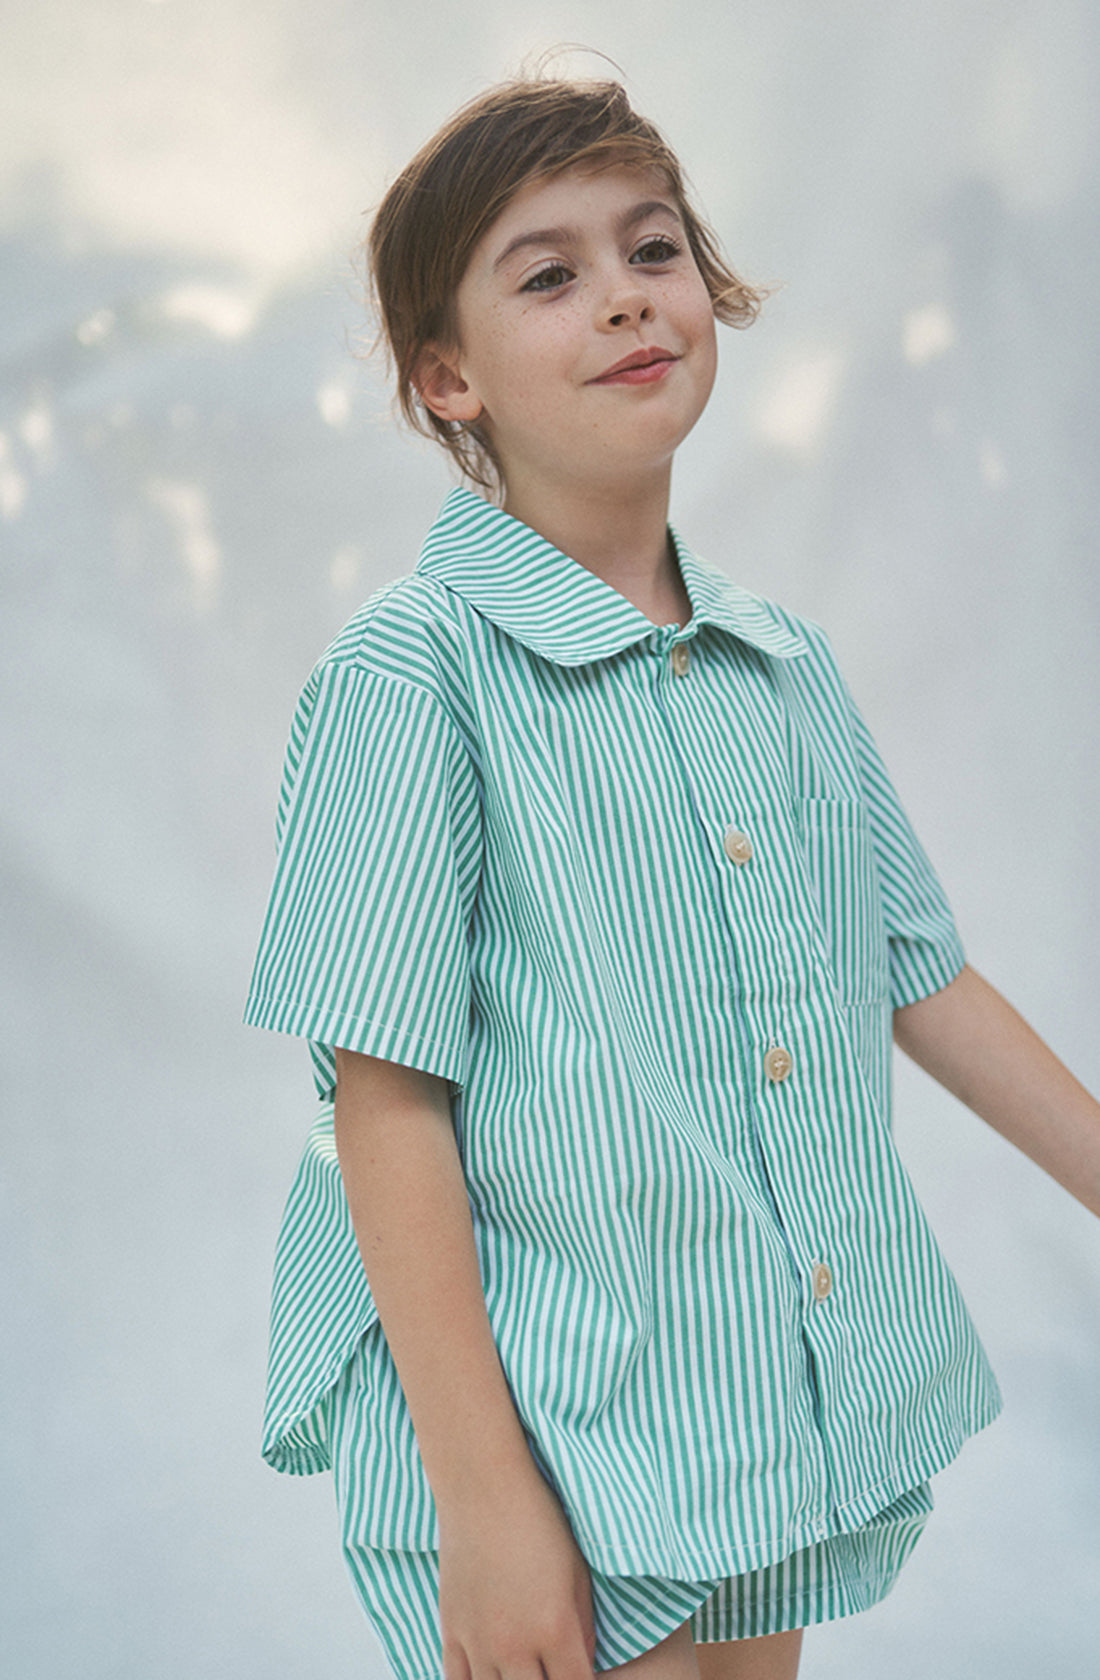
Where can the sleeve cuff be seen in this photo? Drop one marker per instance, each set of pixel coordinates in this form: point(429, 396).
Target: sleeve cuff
point(918, 968)
point(353, 1032)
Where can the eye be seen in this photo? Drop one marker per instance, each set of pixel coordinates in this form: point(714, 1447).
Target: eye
point(659, 249)
point(548, 278)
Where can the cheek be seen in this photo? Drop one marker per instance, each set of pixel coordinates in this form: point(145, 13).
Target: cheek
point(704, 314)
point(516, 336)
point(537, 359)
point(707, 342)
point(695, 310)
point(712, 343)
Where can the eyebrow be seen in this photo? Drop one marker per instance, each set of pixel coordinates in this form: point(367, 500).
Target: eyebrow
point(565, 236)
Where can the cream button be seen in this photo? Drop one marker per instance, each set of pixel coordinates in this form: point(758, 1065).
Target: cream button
point(778, 1063)
point(737, 846)
point(823, 1280)
point(681, 659)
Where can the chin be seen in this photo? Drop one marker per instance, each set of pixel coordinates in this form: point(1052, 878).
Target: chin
point(658, 442)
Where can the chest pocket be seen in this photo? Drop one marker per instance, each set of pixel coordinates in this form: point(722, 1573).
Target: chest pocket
point(844, 874)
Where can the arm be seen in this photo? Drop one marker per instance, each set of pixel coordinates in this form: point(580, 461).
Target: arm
point(514, 1586)
point(411, 1214)
point(970, 1039)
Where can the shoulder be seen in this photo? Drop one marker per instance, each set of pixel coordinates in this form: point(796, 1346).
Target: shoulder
point(383, 701)
point(403, 649)
point(807, 630)
point(813, 684)
point(406, 631)
point(817, 659)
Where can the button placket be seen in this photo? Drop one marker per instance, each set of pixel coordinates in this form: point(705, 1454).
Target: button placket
point(778, 1062)
point(737, 846)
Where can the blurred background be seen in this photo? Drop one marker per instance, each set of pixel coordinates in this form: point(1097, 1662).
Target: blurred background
point(199, 483)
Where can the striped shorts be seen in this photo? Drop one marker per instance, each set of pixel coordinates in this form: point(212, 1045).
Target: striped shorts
point(836, 1577)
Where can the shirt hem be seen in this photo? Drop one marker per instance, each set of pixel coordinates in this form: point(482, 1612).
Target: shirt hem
point(613, 1558)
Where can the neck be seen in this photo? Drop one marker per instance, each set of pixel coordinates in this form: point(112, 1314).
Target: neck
point(621, 536)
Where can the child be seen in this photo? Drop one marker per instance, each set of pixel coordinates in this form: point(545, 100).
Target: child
point(602, 1288)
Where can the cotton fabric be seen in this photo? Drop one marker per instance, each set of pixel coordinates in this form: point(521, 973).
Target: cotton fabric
point(510, 854)
point(399, 1590)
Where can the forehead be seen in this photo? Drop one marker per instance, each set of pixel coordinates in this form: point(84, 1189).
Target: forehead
point(574, 195)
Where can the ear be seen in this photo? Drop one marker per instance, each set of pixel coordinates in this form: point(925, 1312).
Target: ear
point(438, 379)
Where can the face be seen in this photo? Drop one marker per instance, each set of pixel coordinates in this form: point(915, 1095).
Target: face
point(586, 334)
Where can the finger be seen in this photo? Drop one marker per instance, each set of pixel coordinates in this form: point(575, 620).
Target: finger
point(456, 1665)
point(532, 1669)
point(570, 1663)
point(572, 1658)
point(587, 1619)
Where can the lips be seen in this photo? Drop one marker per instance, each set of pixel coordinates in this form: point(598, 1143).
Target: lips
point(648, 357)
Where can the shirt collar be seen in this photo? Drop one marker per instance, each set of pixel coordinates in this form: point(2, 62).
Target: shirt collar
point(560, 609)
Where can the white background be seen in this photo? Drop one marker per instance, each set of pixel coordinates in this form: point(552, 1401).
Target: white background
point(199, 482)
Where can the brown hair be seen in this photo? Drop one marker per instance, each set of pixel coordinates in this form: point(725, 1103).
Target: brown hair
point(431, 218)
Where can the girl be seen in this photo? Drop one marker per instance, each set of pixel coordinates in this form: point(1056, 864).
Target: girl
point(602, 1288)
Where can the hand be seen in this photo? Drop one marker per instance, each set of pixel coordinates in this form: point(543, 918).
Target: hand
point(514, 1588)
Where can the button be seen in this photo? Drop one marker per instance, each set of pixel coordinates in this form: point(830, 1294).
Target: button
point(778, 1063)
point(823, 1280)
point(737, 846)
point(821, 1528)
point(681, 659)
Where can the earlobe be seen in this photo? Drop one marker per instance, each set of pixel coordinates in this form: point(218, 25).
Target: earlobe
point(442, 388)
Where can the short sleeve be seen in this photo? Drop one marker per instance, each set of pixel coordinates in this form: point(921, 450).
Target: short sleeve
point(926, 952)
point(365, 941)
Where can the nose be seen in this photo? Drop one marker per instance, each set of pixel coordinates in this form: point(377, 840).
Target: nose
point(627, 301)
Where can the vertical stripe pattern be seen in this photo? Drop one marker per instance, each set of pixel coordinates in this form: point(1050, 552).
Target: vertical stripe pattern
point(646, 898)
point(839, 1576)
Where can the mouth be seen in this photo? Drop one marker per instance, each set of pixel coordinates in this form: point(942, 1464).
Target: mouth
point(639, 365)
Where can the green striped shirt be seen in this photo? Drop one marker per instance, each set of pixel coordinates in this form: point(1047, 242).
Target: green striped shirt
point(645, 896)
